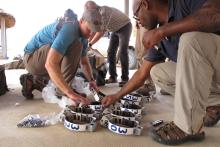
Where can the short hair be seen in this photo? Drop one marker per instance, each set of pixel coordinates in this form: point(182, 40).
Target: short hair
point(90, 5)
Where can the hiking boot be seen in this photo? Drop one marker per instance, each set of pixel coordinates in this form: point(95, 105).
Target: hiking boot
point(30, 83)
point(212, 116)
point(146, 88)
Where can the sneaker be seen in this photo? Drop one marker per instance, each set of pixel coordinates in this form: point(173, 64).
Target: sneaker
point(163, 92)
point(122, 83)
point(146, 88)
point(30, 83)
point(111, 80)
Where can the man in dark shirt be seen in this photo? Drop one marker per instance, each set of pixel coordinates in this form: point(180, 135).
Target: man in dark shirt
point(189, 29)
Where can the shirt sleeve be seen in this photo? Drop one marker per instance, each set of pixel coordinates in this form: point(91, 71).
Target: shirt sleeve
point(192, 5)
point(196, 4)
point(65, 37)
point(154, 55)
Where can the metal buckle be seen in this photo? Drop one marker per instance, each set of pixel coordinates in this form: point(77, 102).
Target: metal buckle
point(79, 123)
point(124, 101)
point(136, 109)
point(133, 97)
point(121, 126)
point(96, 106)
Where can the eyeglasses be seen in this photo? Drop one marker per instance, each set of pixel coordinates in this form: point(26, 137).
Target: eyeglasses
point(138, 9)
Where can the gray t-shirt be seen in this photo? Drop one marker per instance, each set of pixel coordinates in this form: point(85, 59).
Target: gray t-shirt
point(113, 19)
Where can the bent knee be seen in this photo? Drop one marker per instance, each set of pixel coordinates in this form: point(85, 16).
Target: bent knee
point(156, 73)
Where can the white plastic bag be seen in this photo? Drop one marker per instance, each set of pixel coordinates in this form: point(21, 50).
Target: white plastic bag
point(35, 120)
point(49, 92)
point(80, 85)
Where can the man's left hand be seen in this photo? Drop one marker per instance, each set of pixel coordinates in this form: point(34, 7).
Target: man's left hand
point(151, 38)
point(109, 100)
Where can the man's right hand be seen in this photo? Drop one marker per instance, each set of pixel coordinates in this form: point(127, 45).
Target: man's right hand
point(108, 100)
point(152, 38)
point(78, 98)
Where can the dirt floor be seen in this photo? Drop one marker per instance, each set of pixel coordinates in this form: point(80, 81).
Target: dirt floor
point(13, 108)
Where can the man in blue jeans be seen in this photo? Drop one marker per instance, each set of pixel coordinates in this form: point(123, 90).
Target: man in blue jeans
point(186, 32)
point(118, 23)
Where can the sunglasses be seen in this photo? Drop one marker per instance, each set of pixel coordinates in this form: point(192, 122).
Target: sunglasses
point(138, 9)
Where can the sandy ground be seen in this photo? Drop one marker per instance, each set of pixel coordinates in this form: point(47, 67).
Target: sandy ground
point(58, 136)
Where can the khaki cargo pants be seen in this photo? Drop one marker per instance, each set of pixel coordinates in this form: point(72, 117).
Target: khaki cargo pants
point(194, 80)
point(35, 62)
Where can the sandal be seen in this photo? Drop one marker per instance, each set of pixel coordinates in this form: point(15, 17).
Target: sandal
point(146, 89)
point(111, 80)
point(212, 116)
point(170, 134)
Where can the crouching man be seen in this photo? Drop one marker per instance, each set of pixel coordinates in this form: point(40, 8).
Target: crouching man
point(54, 53)
point(188, 34)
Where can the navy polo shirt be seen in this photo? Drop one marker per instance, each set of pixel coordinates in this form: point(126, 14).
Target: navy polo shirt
point(168, 47)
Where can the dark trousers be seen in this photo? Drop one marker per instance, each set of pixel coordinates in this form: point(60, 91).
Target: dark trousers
point(119, 39)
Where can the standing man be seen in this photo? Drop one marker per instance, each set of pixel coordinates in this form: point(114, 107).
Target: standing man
point(115, 21)
point(54, 52)
point(189, 28)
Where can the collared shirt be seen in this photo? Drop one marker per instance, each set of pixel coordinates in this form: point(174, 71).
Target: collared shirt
point(168, 47)
point(69, 33)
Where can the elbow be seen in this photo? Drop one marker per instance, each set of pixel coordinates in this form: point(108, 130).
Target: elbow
point(47, 66)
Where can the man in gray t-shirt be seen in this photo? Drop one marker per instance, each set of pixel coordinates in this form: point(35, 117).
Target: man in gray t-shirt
point(115, 21)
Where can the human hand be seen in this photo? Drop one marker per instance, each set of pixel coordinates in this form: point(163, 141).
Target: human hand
point(108, 100)
point(151, 38)
point(92, 85)
point(78, 99)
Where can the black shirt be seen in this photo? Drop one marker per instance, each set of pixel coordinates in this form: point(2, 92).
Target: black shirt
point(168, 47)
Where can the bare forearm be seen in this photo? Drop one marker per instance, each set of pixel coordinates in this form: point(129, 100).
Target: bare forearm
point(53, 68)
point(207, 19)
point(56, 76)
point(96, 37)
point(137, 79)
point(87, 69)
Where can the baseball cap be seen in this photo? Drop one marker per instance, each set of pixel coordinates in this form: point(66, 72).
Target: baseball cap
point(93, 18)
